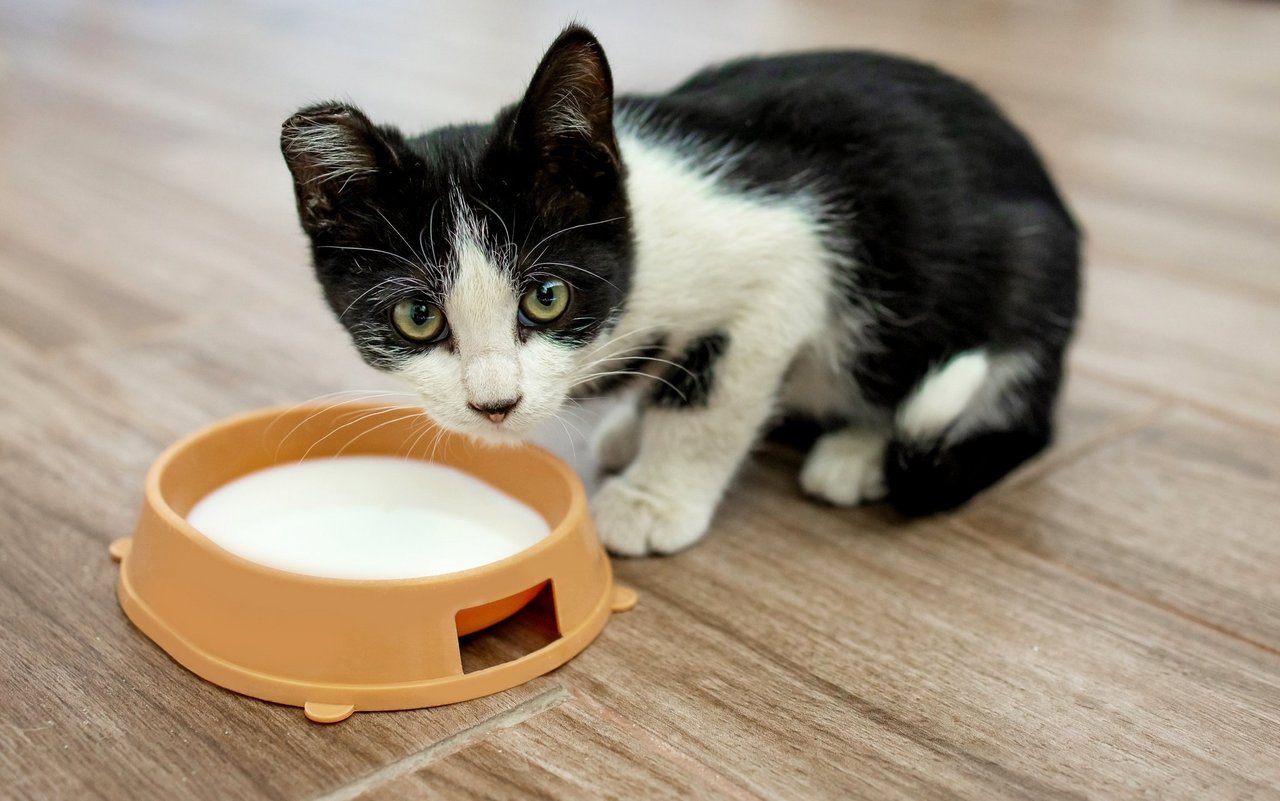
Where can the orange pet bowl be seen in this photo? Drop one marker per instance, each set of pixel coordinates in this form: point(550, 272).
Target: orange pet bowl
point(336, 646)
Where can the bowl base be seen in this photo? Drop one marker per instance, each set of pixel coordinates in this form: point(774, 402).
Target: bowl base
point(333, 703)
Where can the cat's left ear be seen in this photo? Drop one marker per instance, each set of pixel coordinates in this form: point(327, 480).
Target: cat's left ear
point(565, 121)
point(336, 156)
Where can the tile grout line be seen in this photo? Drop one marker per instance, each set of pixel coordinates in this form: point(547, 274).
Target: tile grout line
point(514, 716)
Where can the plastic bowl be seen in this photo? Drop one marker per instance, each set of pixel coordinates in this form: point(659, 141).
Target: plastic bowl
point(335, 646)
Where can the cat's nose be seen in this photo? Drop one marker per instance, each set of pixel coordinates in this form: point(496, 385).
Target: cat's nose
point(496, 411)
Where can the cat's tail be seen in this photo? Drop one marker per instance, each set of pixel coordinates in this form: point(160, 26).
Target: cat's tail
point(967, 425)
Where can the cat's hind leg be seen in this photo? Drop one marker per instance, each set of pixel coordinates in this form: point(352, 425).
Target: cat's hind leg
point(966, 425)
point(846, 466)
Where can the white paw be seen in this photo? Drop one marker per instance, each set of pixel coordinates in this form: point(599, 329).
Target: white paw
point(633, 522)
point(845, 467)
point(616, 440)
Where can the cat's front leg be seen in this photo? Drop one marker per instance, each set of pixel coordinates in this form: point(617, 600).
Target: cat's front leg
point(616, 441)
point(695, 429)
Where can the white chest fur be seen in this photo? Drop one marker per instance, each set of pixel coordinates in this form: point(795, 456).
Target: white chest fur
point(710, 256)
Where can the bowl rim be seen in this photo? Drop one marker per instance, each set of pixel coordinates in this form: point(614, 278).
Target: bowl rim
point(154, 498)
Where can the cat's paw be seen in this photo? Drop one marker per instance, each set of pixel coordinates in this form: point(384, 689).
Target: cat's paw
point(616, 440)
point(634, 522)
point(845, 468)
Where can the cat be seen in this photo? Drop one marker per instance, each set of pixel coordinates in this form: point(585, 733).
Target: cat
point(849, 238)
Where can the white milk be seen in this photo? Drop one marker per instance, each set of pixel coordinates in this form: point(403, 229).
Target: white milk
point(366, 517)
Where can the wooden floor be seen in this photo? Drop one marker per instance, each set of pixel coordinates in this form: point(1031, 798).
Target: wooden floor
point(1104, 625)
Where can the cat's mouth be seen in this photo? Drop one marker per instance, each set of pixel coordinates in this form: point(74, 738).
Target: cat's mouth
point(490, 428)
point(496, 433)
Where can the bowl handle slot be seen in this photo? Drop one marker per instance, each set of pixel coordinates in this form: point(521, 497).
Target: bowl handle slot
point(528, 630)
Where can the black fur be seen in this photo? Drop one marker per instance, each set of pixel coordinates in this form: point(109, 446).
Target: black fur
point(947, 229)
point(634, 365)
point(953, 234)
point(952, 226)
point(556, 197)
point(688, 383)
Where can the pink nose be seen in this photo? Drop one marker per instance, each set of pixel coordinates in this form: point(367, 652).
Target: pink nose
point(496, 411)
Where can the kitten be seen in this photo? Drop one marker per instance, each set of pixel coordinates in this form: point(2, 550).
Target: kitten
point(845, 237)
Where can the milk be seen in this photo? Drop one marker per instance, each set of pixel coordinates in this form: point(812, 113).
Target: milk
point(366, 517)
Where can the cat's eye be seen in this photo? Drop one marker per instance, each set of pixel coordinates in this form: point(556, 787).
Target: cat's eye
point(544, 302)
point(419, 321)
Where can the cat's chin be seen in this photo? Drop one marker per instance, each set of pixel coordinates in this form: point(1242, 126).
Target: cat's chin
point(509, 433)
point(497, 438)
point(491, 435)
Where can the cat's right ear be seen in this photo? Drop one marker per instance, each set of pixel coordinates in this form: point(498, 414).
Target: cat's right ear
point(335, 155)
point(565, 123)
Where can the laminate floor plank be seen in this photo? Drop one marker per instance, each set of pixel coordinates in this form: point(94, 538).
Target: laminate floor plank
point(1212, 347)
point(571, 751)
point(1181, 511)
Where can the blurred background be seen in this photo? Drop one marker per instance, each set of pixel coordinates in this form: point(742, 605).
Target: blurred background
point(141, 182)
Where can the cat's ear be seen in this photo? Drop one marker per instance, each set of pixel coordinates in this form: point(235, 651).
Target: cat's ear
point(335, 155)
point(565, 121)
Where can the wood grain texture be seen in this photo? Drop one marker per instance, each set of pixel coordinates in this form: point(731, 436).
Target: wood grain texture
point(1105, 624)
point(876, 659)
point(1182, 511)
point(544, 758)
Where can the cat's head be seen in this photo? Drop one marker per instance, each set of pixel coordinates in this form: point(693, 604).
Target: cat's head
point(479, 262)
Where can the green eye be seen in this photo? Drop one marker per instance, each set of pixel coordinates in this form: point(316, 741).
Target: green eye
point(544, 303)
point(419, 321)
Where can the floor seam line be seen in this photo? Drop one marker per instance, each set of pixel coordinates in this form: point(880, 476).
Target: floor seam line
point(619, 721)
point(1067, 454)
point(972, 531)
point(521, 712)
point(1140, 387)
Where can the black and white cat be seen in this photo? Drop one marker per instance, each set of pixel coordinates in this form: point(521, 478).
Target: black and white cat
point(847, 237)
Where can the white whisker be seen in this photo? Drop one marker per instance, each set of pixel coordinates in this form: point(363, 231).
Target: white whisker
point(357, 421)
point(659, 379)
point(396, 231)
point(549, 237)
point(594, 275)
point(409, 262)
